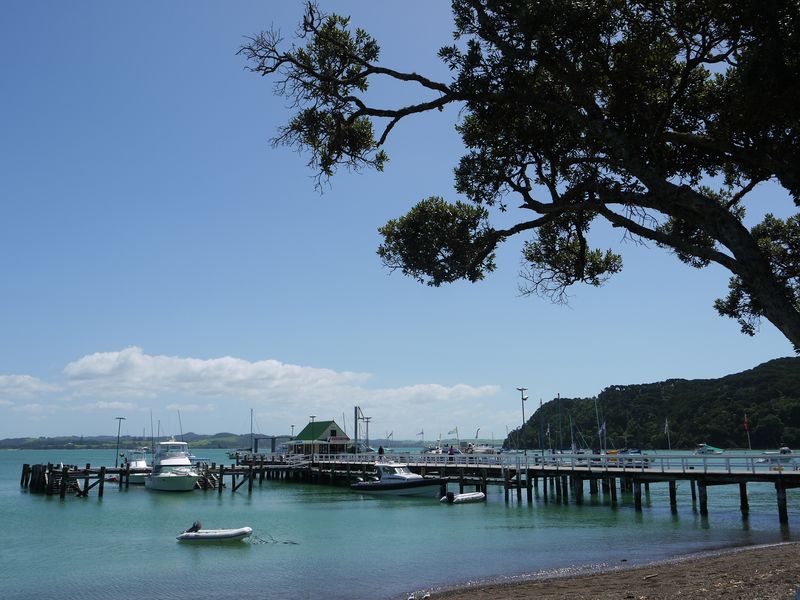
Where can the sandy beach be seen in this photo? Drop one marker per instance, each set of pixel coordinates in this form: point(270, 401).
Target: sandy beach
point(754, 573)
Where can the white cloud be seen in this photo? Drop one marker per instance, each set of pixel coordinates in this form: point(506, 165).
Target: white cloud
point(219, 392)
point(131, 373)
point(192, 408)
point(23, 386)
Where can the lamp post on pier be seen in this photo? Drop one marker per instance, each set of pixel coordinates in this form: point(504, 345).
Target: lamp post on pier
point(524, 397)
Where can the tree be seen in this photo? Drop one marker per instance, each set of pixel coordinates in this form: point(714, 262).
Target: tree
point(657, 116)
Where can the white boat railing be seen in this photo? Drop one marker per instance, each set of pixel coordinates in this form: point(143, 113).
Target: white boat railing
point(650, 462)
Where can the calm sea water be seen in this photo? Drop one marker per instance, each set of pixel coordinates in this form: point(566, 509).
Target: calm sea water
point(314, 542)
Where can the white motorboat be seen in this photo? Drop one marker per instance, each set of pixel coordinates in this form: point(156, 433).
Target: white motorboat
point(781, 458)
point(451, 498)
point(481, 449)
point(136, 461)
point(396, 479)
point(196, 533)
point(172, 469)
point(707, 449)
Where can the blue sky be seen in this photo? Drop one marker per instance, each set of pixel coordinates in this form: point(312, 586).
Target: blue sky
point(158, 254)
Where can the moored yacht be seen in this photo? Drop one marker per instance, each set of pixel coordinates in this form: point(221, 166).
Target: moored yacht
point(396, 479)
point(136, 460)
point(172, 468)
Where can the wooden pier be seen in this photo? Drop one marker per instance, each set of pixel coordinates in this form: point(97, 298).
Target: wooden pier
point(562, 477)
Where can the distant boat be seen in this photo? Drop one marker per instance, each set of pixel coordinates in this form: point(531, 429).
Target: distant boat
point(172, 469)
point(244, 453)
point(362, 448)
point(707, 449)
point(481, 449)
point(137, 464)
point(396, 479)
point(780, 458)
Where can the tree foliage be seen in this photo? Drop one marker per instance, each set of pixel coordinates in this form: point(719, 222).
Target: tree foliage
point(696, 411)
point(659, 117)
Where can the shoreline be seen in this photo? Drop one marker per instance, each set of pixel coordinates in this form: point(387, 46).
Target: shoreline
point(762, 572)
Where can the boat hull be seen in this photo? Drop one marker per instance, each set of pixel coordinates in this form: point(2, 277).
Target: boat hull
point(137, 478)
point(216, 535)
point(464, 498)
point(171, 482)
point(413, 487)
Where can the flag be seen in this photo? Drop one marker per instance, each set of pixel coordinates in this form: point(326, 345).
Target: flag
point(666, 426)
point(452, 432)
point(746, 425)
point(602, 429)
point(421, 433)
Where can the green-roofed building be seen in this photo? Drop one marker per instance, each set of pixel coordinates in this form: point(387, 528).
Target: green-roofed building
point(320, 437)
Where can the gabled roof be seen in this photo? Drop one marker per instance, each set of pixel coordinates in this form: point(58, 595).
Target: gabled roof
point(319, 430)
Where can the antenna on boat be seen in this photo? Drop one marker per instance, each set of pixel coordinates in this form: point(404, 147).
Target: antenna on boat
point(152, 440)
point(180, 425)
point(119, 425)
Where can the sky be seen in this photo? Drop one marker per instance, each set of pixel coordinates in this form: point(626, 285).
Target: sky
point(161, 261)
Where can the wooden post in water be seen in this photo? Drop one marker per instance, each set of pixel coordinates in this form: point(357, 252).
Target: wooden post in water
point(544, 487)
point(783, 513)
point(102, 476)
point(556, 482)
point(673, 496)
point(62, 492)
point(593, 487)
point(701, 486)
point(744, 505)
point(565, 486)
point(612, 487)
point(220, 481)
point(49, 479)
point(637, 495)
point(606, 483)
point(693, 484)
point(528, 485)
point(86, 480)
point(26, 476)
point(578, 489)
point(519, 484)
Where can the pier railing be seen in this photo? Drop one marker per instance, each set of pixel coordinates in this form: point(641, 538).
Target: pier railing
point(666, 463)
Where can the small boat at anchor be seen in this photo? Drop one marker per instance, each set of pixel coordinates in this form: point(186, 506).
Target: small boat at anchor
point(196, 533)
point(779, 459)
point(708, 449)
point(451, 498)
point(396, 479)
point(136, 461)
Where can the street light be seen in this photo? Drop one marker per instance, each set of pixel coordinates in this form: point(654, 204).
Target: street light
point(119, 426)
point(524, 397)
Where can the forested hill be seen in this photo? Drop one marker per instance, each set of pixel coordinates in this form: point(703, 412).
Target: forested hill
point(698, 411)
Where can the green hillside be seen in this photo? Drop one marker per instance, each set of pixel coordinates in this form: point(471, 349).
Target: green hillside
point(700, 410)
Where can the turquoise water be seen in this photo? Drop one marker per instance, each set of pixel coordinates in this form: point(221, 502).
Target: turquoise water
point(314, 541)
